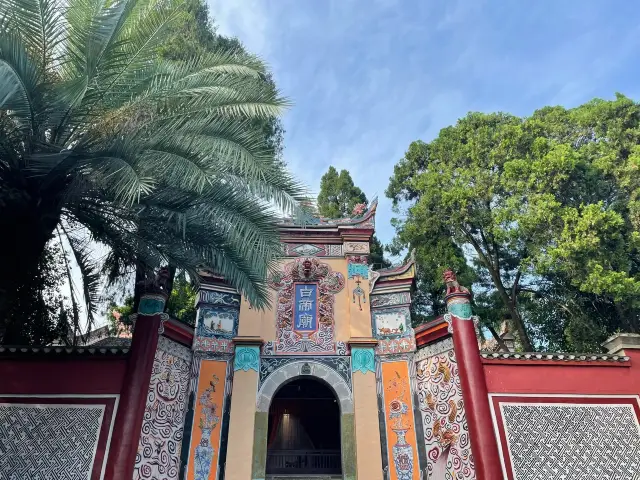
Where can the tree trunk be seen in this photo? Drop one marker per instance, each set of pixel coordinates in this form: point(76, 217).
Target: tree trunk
point(497, 338)
point(172, 276)
point(27, 225)
point(141, 277)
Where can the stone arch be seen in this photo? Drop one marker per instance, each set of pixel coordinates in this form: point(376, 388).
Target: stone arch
point(304, 368)
point(285, 374)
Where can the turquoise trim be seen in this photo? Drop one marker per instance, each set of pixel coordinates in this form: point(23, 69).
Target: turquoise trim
point(362, 360)
point(247, 358)
point(354, 269)
point(460, 310)
point(151, 305)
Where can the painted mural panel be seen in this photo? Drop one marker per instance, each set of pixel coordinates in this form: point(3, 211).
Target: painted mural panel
point(446, 434)
point(400, 424)
point(205, 436)
point(158, 456)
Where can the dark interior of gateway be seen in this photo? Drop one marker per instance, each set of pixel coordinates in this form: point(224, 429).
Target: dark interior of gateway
point(304, 430)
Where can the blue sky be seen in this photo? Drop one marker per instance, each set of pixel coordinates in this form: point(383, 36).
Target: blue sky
point(367, 77)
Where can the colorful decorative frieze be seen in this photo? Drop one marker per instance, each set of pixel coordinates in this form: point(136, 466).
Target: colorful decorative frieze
point(357, 269)
point(392, 322)
point(363, 359)
point(340, 364)
point(358, 248)
point(444, 424)
point(160, 442)
point(304, 316)
point(217, 321)
point(399, 422)
point(204, 344)
point(388, 346)
point(213, 297)
point(389, 299)
point(312, 250)
point(204, 451)
point(151, 304)
point(247, 357)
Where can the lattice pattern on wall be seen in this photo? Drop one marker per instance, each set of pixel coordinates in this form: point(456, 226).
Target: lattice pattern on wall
point(158, 455)
point(572, 441)
point(41, 442)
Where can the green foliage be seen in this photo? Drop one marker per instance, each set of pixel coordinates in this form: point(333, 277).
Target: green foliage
point(533, 204)
point(158, 160)
point(337, 198)
point(118, 316)
point(182, 301)
point(338, 194)
point(39, 315)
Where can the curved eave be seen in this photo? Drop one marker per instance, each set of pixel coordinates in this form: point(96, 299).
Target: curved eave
point(367, 221)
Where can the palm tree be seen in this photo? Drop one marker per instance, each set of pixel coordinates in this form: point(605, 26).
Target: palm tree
point(159, 161)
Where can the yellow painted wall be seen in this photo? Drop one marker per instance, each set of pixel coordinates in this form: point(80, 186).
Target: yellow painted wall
point(254, 322)
point(241, 425)
point(369, 462)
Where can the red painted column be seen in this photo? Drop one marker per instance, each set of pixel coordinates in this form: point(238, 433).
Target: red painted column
point(133, 396)
point(472, 381)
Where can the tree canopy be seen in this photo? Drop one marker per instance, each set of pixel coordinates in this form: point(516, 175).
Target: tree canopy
point(541, 213)
point(159, 160)
point(337, 198)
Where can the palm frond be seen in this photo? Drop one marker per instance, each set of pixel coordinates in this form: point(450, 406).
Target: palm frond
point(90, 272)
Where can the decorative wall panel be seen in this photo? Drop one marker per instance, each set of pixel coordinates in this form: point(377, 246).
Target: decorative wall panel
point(55, 441)
point(399, 420)
point(446, 433)
point(312, 250)
point(586, 438)
point(341, 365)
point(158, 455)
point(301, 274)
point(396, 345)
point(388, 299)
point(204, 451)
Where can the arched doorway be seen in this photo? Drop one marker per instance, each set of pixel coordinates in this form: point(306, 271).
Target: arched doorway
point(303, 434)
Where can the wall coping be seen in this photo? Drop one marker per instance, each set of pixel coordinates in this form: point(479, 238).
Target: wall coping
point(87, 351)
point(555, 357)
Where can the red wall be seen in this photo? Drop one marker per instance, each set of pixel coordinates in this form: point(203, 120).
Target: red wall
point(571, 377)
point(67, 375)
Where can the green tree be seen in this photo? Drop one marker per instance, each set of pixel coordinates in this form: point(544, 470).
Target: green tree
point(39, 316)
point(338, 194)
point(337, 198)
point(156, 159)
point(182, 301)
point(530, 201)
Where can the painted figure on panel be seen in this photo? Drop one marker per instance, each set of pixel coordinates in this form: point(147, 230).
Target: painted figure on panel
point(390, 322)
point(208, 421)
point(398, 397)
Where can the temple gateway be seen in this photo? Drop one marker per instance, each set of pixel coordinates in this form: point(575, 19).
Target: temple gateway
point(331, 382)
